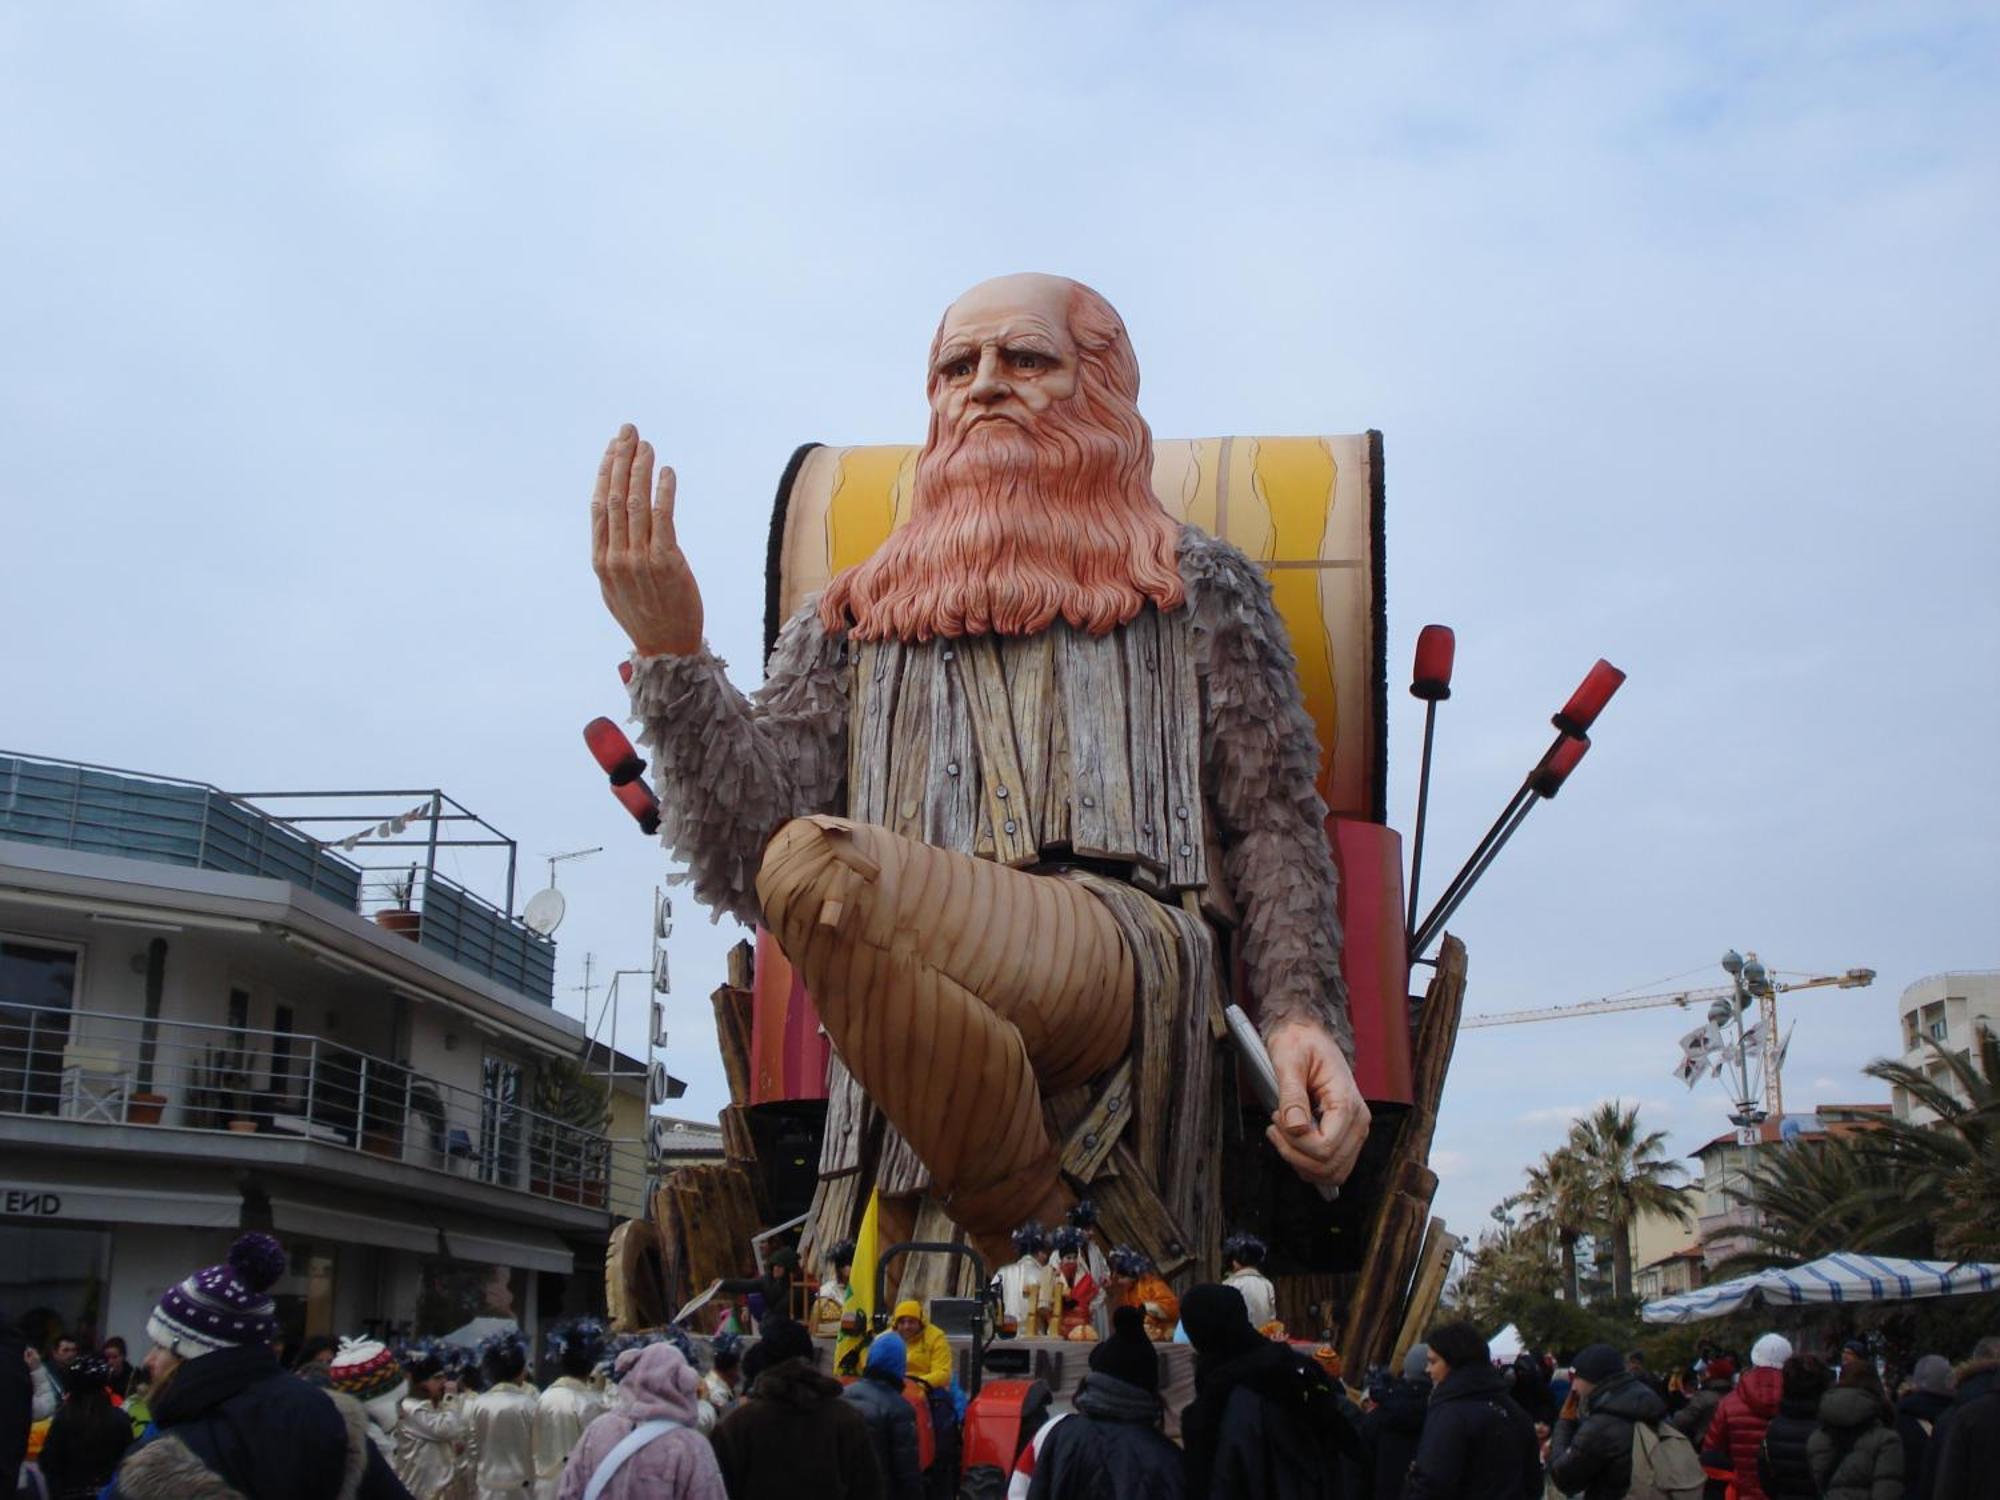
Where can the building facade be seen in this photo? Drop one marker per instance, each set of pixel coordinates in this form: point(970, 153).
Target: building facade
point(1949, 1010)
point(200, 1032)
point(1726, 1214)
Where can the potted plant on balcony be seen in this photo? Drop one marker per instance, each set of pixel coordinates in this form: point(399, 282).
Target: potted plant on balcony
point(400, 915)
point(566, 1148)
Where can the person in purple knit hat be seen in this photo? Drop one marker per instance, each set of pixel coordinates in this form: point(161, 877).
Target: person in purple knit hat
point(228, 1422)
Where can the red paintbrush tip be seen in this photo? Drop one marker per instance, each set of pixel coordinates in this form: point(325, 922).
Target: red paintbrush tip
point(1588, 701)
point(1431, 679)
point(1557, 764)
point(640, 803)
point(612, 751)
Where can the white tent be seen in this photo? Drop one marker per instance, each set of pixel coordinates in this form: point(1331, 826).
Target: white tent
point(472, 1335)
point(1831, 1278)
point(1505, 1345)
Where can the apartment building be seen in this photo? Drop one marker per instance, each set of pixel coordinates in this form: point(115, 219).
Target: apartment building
point(1949, 1010)
point(211, 1020)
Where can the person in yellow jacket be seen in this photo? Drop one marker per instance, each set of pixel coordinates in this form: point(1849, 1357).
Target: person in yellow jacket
point(929, 1351)
point(930, 1362)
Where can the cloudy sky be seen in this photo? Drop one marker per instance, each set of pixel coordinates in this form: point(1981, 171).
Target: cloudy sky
point(1679, 321)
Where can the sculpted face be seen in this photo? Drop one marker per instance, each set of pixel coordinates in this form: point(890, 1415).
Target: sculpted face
point(1033, 497)
point(1004, 355)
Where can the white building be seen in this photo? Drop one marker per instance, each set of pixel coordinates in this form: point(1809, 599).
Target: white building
point(201, 1033)
point(1948, 1009)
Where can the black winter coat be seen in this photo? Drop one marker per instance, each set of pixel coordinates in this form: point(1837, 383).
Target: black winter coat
point(1593, 1457)
point(232, 1423)
point(1916, 1419)
point(1110, 1447)
point(1265, 1425)
point(1964, 1455)
point(1782, 1465)
point(17, 1399)
point(1389, 1437)
point(1477, 1443)
point(892, 1431)
point(85, 1441)
point(793, 1436)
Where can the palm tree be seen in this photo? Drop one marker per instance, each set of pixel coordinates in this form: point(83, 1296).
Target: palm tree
point(1625, 1174)
point(1815, 1197)
point(1557, 1199)
point(1952, 1166)
point(1509, 1260)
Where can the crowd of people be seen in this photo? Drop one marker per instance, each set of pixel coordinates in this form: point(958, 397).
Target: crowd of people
point(211, 1414)
point(1779, 1425)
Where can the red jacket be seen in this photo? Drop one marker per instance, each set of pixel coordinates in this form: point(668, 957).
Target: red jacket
point(1737, 1430)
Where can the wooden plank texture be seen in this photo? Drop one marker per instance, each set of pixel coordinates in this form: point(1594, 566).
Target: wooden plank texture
point(1088, 1143)
point(1093, 688)
point(732, 1037)
point(1181, 723)
point(1139, 644)
point(1007, 810)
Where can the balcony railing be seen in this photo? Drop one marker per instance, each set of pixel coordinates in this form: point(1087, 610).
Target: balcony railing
point(124, 1070)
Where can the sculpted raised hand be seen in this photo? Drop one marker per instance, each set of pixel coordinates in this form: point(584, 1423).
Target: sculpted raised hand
point(648, 586)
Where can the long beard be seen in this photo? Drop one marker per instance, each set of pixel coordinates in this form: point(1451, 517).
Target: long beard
point(1013, 528)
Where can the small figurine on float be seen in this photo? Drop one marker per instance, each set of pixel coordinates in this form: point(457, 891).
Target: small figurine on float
point(1244, 1255)
point(1030, 1289)
point(1135, 1283)
point(831, 1302)
point(1082, 1296)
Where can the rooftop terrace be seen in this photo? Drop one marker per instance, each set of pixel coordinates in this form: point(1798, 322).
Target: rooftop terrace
point(99, 809)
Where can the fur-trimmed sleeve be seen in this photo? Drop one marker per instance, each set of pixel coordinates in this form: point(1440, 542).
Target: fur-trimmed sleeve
point(1260, 761)
point(731, 770)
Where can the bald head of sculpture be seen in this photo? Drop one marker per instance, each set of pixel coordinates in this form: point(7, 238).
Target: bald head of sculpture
point(1033, 499)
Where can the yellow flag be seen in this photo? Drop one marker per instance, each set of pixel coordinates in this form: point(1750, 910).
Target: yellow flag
point(850, 1350)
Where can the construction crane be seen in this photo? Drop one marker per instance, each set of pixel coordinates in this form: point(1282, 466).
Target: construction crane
point(1749, 980)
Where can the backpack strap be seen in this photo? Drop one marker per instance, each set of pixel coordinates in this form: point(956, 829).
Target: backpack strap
point(628, 1445)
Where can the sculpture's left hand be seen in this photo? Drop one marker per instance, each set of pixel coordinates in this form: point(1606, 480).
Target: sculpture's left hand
point(1314, 1079)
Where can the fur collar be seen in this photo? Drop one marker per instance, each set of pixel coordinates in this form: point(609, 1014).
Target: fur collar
point(167, 1469)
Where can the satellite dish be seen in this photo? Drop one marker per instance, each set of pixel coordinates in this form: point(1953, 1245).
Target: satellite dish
point(544, 911)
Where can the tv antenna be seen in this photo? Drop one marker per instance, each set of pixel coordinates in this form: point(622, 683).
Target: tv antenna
point(544, 912)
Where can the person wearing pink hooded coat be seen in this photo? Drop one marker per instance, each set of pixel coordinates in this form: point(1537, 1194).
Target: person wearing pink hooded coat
point(678, 1465)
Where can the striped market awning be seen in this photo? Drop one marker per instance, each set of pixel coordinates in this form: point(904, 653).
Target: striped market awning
point(1843, 1277)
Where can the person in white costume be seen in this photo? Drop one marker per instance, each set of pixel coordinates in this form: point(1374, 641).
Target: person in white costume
point(432, 1434)
point(503, 1423)
point(569, 1404)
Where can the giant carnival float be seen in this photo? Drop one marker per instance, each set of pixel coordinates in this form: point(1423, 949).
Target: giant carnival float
point(1060, 818)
